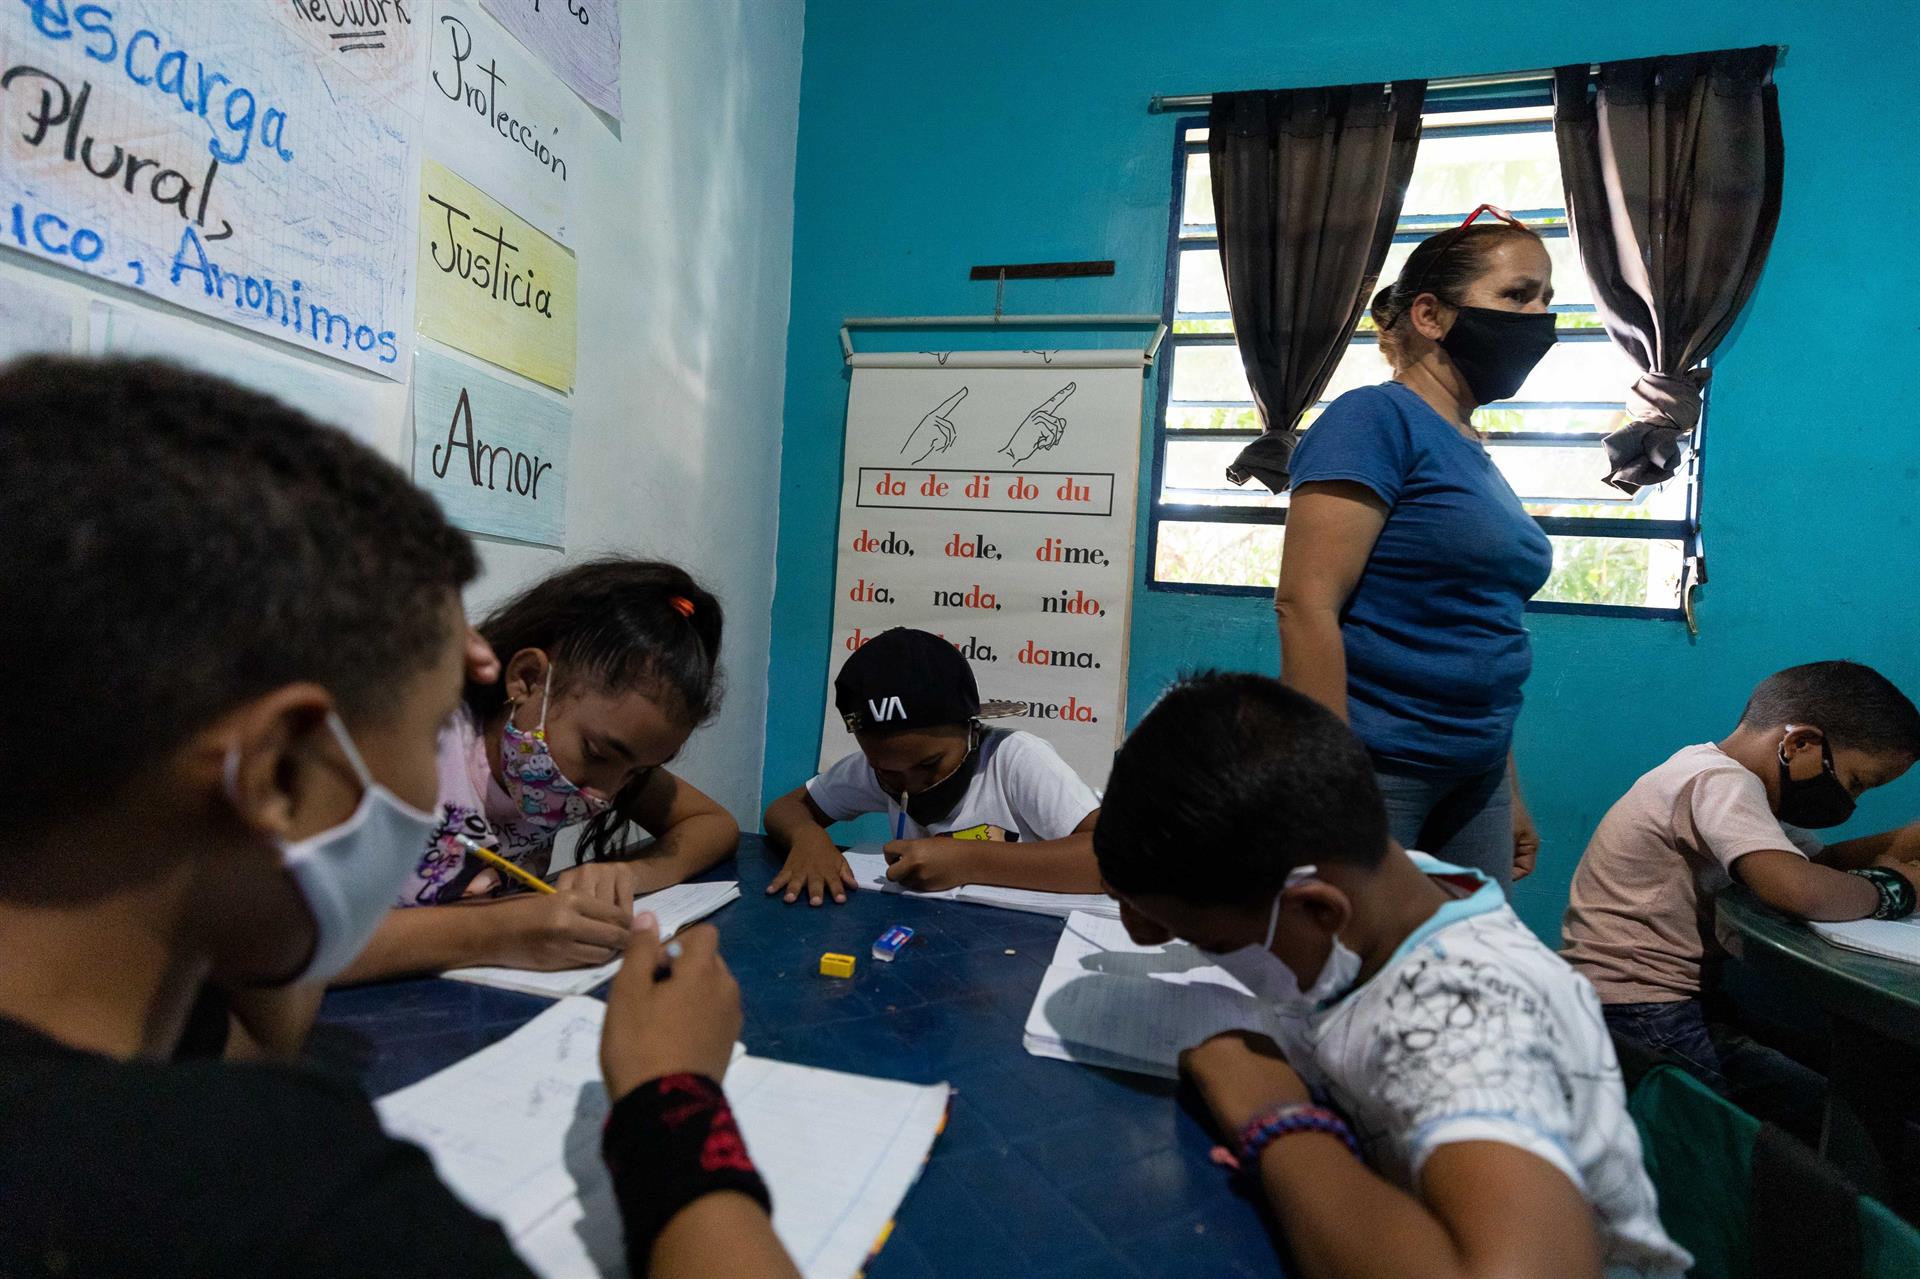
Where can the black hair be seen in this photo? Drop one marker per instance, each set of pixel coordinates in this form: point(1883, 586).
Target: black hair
point(174, 545)
point(1230, 782)
point(616, 623)
point(1445, 265)
point(1854, 705)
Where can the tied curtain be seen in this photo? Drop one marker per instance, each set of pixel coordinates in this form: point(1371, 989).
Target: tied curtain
point(1307, 188)
point(1672, 169)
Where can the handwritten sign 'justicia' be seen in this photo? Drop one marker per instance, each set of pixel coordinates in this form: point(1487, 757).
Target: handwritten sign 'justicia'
point(493, 285)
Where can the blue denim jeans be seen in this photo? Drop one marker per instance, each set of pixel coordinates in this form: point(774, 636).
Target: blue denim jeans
point(1762, 1081)
point(1463, 818)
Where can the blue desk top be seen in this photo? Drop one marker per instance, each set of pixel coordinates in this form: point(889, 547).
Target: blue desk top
point(1045, 1167)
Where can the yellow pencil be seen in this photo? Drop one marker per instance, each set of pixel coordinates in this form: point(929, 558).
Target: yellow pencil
point(504, 866)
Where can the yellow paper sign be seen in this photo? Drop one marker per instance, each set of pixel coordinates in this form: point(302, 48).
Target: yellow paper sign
point(492, 285)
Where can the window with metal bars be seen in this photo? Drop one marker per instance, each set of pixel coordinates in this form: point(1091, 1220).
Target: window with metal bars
point(1612, 554)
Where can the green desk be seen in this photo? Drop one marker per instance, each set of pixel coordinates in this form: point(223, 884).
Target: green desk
point(1873, 1009)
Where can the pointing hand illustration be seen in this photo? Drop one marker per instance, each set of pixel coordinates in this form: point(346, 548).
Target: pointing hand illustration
point(1041, 430)
point(935, 434)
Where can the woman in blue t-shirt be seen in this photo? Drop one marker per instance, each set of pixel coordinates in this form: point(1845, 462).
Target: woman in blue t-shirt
point(1408, 559)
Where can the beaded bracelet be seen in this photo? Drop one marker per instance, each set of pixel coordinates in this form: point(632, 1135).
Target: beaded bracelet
point(1290, 1117)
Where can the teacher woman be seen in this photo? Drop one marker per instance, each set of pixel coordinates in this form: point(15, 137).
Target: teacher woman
point(1408, 560)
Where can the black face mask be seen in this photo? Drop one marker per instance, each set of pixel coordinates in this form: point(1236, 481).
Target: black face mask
point(1817, 802)
point(1495, 350)
point(938, 800)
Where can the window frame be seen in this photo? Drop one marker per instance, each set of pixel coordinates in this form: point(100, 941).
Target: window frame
point(1685, 530)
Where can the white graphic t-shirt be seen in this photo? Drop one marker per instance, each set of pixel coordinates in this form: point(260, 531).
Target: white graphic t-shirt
point(1021, 789)
point(1475, 1031)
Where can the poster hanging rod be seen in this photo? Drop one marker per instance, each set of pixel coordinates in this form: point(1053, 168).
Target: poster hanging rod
point(1164, 102)
point(1145, 356)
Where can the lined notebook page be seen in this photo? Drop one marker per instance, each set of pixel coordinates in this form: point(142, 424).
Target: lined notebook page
point(676, 907)
point(1134, 1023)
point(515, 1131)
point(870, 869)
point(1896, 939)
point(1098, 944)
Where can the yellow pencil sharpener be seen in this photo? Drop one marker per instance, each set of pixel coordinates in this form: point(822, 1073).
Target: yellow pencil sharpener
point(832, 965)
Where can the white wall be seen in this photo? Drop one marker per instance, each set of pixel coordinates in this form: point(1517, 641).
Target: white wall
point(684, 239)
point(685, 247)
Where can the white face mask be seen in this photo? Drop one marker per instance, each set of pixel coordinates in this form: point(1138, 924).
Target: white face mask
point(350, 875)
point(1268, 977)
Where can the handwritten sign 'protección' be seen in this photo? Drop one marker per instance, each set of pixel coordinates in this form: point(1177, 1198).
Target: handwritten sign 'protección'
point(491, 284)
point(205, 155)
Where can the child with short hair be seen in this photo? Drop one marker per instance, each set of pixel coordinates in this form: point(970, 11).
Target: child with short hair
point(1478, 1125)
point(970, 804)
point(238, 634)
point(606, 668)
point(1639, 921)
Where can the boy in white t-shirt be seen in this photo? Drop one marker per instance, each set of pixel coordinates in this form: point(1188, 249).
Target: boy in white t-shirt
point(1475, 1124)
point(1639, 922)
point(968, 804)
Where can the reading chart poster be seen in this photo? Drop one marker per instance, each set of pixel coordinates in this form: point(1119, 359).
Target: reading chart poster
point(994, 506)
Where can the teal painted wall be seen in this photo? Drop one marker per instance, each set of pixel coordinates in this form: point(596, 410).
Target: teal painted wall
point(934, 135)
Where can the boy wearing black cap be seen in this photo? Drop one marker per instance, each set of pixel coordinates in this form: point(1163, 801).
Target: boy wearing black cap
point(969, 804)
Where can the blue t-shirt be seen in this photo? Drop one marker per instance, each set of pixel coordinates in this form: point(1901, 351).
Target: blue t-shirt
point(1435, 630)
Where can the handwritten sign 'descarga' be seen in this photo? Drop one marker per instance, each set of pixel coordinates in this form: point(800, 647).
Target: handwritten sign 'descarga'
point(207, 155)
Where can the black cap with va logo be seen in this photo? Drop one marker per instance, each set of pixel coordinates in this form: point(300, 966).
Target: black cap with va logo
point(905, 678)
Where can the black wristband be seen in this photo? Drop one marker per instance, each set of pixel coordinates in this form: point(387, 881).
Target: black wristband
point(667, 1143)
point(1897, 898)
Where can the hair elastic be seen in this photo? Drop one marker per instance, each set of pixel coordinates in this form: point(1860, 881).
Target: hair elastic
point(681, 605)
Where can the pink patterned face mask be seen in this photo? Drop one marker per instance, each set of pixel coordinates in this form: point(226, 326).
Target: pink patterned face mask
point(545, 796)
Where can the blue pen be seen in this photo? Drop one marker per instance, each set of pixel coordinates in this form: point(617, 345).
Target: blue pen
point(900, 825)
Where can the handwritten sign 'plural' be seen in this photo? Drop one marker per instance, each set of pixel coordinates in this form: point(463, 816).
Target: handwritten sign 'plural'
point(492, 454)
point(491, 284)
point(205, 155)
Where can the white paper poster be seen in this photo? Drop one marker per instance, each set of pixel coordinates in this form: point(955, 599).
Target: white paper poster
point(501, 120)
point(579, 39)
point(33, 319)
point(364, 407)
point(994, 506)
point(494, 455)
point(254, 162)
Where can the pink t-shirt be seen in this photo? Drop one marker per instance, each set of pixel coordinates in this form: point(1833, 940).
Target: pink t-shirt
point(472, 803)
point(1639, 919)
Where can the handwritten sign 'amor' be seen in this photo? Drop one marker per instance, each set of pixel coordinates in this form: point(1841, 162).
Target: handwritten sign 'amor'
point(493, 455)
point(579, 39)
point(491, 284)
point(503, 120)
point(215, 156)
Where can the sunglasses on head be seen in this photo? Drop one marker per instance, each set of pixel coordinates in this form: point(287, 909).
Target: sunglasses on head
point(1454, 235)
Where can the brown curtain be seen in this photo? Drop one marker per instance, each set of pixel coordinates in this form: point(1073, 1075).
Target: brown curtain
point(1672, 170)
point(1307, 187)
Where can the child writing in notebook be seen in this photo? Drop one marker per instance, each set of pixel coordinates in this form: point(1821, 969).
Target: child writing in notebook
point(245, 634)
point(1639, 921)
point(967, 804)
point(606, 668)
point(1478, 1126)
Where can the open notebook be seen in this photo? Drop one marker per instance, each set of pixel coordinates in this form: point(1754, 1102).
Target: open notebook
point(870, 868)
point(675, 907)
point(1105, 1001)
point(1897, 939)
point(515, 1131)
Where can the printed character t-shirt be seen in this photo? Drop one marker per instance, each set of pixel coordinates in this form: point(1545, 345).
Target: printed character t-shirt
point(1639, 919)
point(1475, 1031)
point(1435, 631)
point(475, 804)
point(1021, 790)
